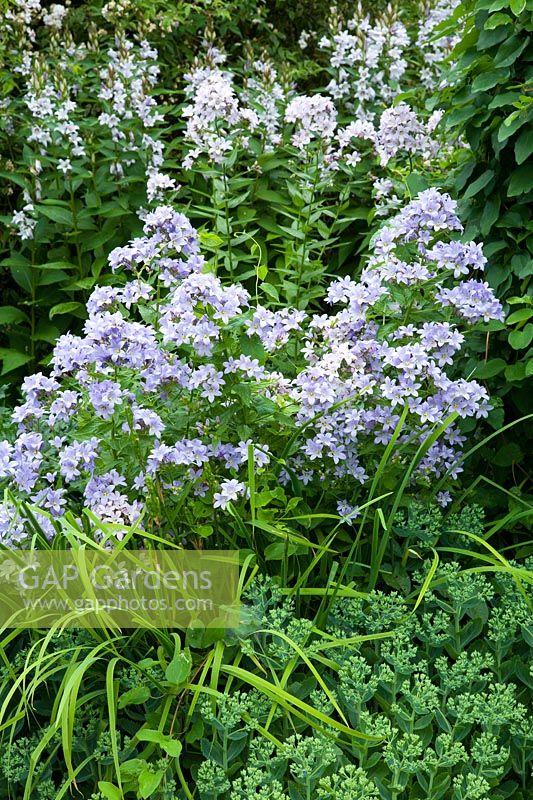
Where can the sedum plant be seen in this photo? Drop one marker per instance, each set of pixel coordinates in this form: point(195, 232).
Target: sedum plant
point(422, 694)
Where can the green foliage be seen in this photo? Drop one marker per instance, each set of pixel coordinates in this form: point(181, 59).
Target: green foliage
point(489, 102)
point(386, 657)
point(422, 693)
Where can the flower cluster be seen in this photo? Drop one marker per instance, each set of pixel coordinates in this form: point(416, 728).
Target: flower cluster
point(163, 371)
point(215, 118)
point(433, 48)
point(372, 59)
point(125, 85)
point(313, 116)
point(57, 88)
point(366, 59)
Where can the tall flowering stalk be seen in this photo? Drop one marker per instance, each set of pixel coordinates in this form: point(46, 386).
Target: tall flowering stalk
point(81, 135)
point(264, 142)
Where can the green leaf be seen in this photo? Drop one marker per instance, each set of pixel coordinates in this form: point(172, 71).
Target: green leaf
point(149, 781)
point(491, 212)
point(172, 747)
point(522, 266)
point(524, 145)
point(489, 79)
point(209, 239)
point(519, 316)
point(132, 768)
point(270, 290)
point(507, 455)
point(479, 184)
point(515, 372)
point(509, 51)
point(277, 551)
point(67, 308)
point(109, 790)
point(15, 178)
point(520, 339)
point(58, 214)
point(504, 99)
point(262, 272)
point(12, 359)
point(271, 196)
point(491, 368)
point(510, 125)
point(179, 668)
point(48, 277)
point(134, 697)
point(517, 6)
point(15, 260)
point(149, 735)
point(10, 314)
point(57, 265)
point(416, 183)
point(521, 181)
point(45, 332)
point(495, 20)
point(23, 277)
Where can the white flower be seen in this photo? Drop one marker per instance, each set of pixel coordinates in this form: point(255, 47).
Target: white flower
point(230, 490)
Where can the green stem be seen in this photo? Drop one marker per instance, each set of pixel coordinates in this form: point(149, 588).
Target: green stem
point(75, 226)
point(228, 223)
point(310, 207)
point(33, 297)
